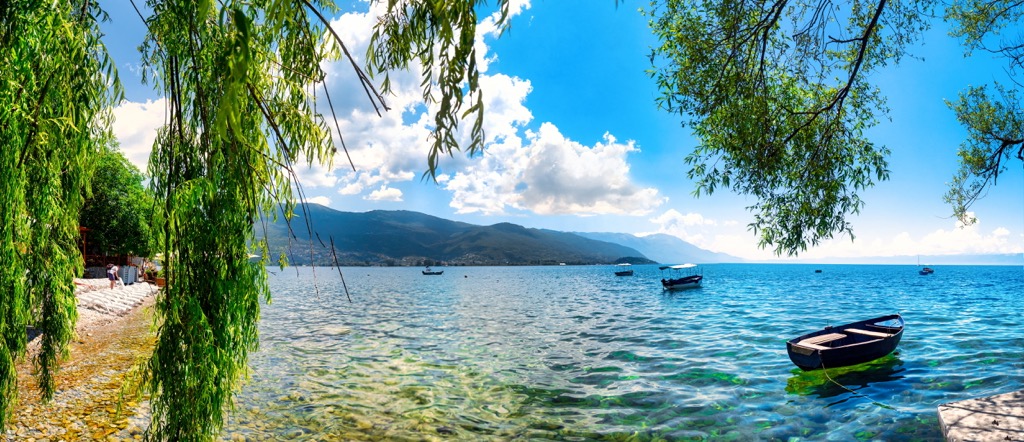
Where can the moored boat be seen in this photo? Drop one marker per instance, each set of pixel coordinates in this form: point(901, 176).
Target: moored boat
point(685, 276)
point(427, 271)
point(624, 269)
point(847, 344)
point(924, 270)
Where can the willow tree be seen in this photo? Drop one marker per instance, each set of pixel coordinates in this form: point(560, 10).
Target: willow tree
point(779, 96)
point(56, 89)
point(244, 83)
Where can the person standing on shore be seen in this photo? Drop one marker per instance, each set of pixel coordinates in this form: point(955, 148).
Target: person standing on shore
point(112, 274)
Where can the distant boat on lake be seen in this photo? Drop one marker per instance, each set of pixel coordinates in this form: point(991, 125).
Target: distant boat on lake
point(427, 271)
point(684, 276)
point(925, 270)
point(848, 344)
point(624, 270)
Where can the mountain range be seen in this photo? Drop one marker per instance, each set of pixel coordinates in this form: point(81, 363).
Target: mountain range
point(411, 238)
point(663, 248)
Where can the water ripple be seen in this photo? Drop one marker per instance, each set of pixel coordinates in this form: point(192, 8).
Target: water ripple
point(575, 353)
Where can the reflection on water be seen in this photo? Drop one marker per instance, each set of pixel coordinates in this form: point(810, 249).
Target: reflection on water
point(575, 353)
point(839, 381)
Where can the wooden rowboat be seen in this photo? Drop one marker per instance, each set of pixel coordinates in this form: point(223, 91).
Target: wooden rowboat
point(848, 344)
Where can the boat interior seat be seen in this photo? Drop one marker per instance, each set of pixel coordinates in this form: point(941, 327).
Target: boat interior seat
point(813, 346)
point(815, 342)
point(868, 333)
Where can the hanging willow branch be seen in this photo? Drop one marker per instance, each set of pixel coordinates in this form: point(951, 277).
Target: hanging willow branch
point(58, 87)
point(237, 126)
point(238, 78)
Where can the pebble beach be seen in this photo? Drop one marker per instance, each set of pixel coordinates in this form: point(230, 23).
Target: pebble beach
point(114, 333)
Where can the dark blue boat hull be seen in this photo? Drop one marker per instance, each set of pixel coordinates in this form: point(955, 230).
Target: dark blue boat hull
point(852, 349)
point(686, 282)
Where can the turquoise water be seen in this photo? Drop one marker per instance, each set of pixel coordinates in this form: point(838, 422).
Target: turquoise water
point(576, 353)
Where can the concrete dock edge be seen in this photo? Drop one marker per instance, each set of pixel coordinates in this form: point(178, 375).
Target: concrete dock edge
point(993, 418)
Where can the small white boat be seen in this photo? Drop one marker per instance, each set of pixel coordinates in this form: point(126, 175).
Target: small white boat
point(624, 269)
point(684, 276)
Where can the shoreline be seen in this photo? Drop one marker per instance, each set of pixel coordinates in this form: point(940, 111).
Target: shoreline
point(114, 334)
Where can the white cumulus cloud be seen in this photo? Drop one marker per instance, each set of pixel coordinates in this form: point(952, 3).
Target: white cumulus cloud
point(539, 171)
point(552, 175)
point(135, 125)
point(321, 200)
point(385, 193)
point(520, 170)
point(693, 228)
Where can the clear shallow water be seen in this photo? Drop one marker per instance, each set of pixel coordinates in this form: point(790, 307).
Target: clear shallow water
point(575, 353)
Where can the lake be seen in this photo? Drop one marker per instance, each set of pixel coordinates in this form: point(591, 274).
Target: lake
point(576, 353)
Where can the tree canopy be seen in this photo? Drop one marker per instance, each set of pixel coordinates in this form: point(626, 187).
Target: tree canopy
point(118, 210)
point(779, 95)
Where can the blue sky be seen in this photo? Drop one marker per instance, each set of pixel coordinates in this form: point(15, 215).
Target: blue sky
point(576, 142)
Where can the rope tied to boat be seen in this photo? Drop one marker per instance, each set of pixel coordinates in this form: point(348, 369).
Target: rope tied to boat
point(855, 393)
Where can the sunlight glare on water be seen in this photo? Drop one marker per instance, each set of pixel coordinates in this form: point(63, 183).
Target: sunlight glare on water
point(576, 353)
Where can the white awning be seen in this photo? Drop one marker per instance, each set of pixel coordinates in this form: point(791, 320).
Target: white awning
point(679, 266)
